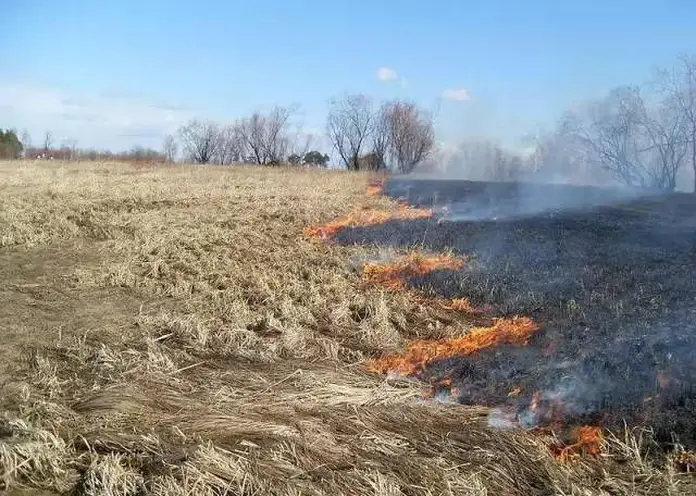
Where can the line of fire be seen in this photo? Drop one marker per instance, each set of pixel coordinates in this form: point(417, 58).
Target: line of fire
point(580, 303)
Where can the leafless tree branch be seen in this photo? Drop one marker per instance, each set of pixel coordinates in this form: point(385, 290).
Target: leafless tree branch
point(200, 140)
point(349, 125)
point(170, 148)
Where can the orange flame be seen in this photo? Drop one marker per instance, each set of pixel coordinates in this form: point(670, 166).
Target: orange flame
point(663, 379)
point(367, 217)
point(464, 305)
point(685, 461)
point(393, 275)
point(375, 189)
point(588, 440)
point(517, 330)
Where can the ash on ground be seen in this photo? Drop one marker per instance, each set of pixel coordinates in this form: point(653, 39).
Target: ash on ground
point(611, 278)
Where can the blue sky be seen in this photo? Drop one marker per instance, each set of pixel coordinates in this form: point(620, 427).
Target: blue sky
point(120, 73)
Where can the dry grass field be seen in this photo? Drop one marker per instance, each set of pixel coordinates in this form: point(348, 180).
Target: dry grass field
point(172, 331)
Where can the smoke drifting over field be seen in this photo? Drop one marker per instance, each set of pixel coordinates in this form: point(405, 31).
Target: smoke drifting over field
point(608, 275)
point(464, 200)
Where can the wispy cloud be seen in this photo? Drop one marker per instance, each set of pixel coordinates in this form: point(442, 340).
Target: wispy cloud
point(387, 74)
point(99, 120)
point(458, 94)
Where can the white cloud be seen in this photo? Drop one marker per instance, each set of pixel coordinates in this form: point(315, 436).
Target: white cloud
point(459, 94)
point(387, 74)
point(94, 120)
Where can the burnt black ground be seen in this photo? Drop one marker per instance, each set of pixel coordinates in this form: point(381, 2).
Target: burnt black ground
point(612, 281)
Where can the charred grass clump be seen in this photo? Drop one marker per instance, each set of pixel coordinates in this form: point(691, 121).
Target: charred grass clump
point(172, 330)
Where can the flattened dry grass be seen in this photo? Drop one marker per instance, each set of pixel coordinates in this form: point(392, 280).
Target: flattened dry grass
point(247, 376)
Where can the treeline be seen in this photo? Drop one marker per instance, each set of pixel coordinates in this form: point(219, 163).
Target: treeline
point(642, 136)
point(397, 135)
point(13, 147)
point(135, 154)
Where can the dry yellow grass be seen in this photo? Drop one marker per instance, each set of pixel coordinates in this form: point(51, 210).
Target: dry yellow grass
point(172, 331)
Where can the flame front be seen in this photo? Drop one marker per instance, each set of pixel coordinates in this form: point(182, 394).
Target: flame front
point(367, 216)
point(375, 188)
point(587, 440)
point(543, 412)
point(393, 275)
point(420, 353)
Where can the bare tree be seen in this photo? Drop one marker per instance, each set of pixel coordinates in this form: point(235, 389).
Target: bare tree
point(555, 155)
point(47, 142)
point(382, 135)
point(642, 146)
point(349, 125)
point(679, 86)
point(200, 140)
point(170, 148)
point(71, 145)
point(276, 140)
point(300, 143)
point(231, 146)
point(252, 130)
point(483, 160)
point(266, 136)
point(667, 139)
point(507, 166)
point(26, 142)
point(412, 135)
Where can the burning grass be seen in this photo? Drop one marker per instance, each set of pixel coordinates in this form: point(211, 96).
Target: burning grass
point(419, 354)
point(170, 331)
point(612, 286)
point(375, 188)
point(586, 440)
point(367, 215)
point(394, 274)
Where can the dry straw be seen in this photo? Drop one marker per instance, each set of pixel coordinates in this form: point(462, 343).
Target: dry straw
point(172, 331)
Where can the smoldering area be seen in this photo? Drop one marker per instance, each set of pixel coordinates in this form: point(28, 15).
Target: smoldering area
point(608, 274)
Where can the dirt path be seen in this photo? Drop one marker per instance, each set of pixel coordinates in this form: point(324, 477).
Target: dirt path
point(41, 304)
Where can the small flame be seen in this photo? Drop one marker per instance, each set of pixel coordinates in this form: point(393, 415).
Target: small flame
point(663, 379)
point(445, 382)
point(517, 330)
point(685, 461)
point(536, 400)
point(545, 409)
point(442, 389)
point(375, 189)
point(587, 440)
point(393, 275)
point(463, 305)
point(367, 216)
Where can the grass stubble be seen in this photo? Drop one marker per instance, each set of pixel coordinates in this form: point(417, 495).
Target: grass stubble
point(172, 330)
